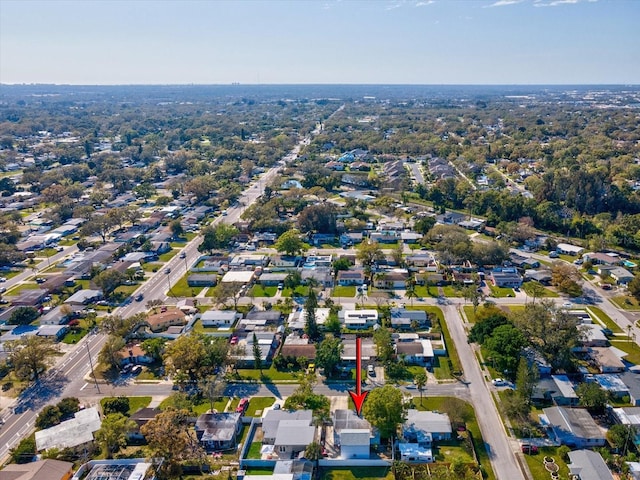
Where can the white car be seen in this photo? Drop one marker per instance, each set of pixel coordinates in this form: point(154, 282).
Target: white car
point(499, 382)
point(567, 305)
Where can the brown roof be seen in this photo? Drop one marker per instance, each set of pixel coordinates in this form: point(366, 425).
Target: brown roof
point(408, 348)
point(307, 351)
point(171, 315)
point(40, 470)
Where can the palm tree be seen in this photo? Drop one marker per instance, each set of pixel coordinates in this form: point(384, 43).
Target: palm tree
point(421, 381)
point(313, 452)
point(410, 292)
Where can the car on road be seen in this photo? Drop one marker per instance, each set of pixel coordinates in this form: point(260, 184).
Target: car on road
point(3, 279)
point(167, 271)
point(139, 297)
point(277, 406)
point(243, 405)
point(183, 255)
point(566, 305)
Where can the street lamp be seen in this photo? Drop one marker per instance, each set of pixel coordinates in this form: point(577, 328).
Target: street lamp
point(167, 273)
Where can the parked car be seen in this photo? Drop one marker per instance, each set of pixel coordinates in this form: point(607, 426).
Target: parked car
point(371, 370)
point(529, 449)
point(243, 405)
point(499, 382)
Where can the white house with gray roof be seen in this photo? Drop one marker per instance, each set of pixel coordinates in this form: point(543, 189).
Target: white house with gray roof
point(573, 427)
point(588, 465)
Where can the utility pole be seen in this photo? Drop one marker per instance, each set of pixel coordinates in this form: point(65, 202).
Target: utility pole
point(91, 364)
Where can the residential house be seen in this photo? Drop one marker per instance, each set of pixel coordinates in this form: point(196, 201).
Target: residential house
point(219, 318)
point(542, 276)
point(271, 279)
point(48, 469)
point(423, 260)
point(450, 218)
point(161, 321)
point(413, 349)
point(506, 277)
point(600, 258)
point(606, 360)
point(557, 389)
point(359, 319)
point(588, 465)
point(628, 416)
point(297, 319)
point(632, 381)
point(522, 262)
point(285, 261)
point(351, 238)
point(56, 316)
point(54, 332)
point(622, 276)
point(573, 427)
point(568, 249)
point(134, 354)
point(71, 433)
point(415, 453)
point(322, 275)
point(405, 319)
point(202, 280)
point(84, 297)
point(425, 427)
point(267, 343)
point(353, 434)
point(244, 261)
point(29, 298)
point(288, 431)
point(391, 279)
point(368, 349)
point(142, 417)
point(384, 236)
point(593, 336)
point(243, 277)
point(219, 431)
point(350, 277)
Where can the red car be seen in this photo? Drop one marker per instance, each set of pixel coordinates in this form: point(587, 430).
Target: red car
point(530, 449)
point(243, 405)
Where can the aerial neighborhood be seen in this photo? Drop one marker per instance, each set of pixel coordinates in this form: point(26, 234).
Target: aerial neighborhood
point(192, 280)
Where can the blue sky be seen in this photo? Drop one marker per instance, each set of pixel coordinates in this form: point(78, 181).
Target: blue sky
point(324, 41)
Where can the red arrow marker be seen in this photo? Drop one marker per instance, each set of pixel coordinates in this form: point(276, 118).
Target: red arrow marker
point(358, 396)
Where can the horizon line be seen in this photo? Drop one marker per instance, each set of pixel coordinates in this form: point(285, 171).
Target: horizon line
point(240, 84)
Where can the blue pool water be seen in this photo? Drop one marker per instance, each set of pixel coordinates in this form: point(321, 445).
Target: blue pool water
point(629, 264)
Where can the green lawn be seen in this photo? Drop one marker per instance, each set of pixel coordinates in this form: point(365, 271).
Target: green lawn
point(182, 289)
point(259, 404)
point(74, 336)
point(500, 292)
point(341, 291)
point(606, 319)
point(254, 452)
point(300, 291)
point(126, 290)
point(202, 405)
point(356, 473)
point(165, 257)
point(632, 349)
point(527, 287)
point(259, 291)
point(468, 311)
point(21, 287)
point(451, 291)
point(135, 403)
point(424, 291)
point(268, 375)
point(626, 302)
point(536, 463)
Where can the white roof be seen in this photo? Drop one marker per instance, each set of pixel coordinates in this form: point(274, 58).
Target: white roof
point(238, 276)
point(567, 247)
point(564, 385)
point(70, 433)
point(353, 437)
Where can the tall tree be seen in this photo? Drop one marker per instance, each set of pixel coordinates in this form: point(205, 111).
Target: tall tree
point(384, 344)
point(113, 432)
point(310, 323)
point(30, 356)
point(385, 409)
point(217, 237)
point(111, 353)
point(289, 242)
point(170, 436)
point(257, 354)
point(421, 381)
point(329, 353)
point(369, 253)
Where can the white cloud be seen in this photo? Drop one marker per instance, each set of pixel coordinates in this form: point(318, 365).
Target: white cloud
point(424, 3)
point(393, 6)
point(555, 3)
point(503, 3)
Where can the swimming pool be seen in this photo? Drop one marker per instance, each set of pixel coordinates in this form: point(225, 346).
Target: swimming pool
point(630, 264)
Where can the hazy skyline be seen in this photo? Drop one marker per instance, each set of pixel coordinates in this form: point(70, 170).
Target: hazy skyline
point(327, 41)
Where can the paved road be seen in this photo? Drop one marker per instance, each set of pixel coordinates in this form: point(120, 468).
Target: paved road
point(38, 267)
point(500, 449)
